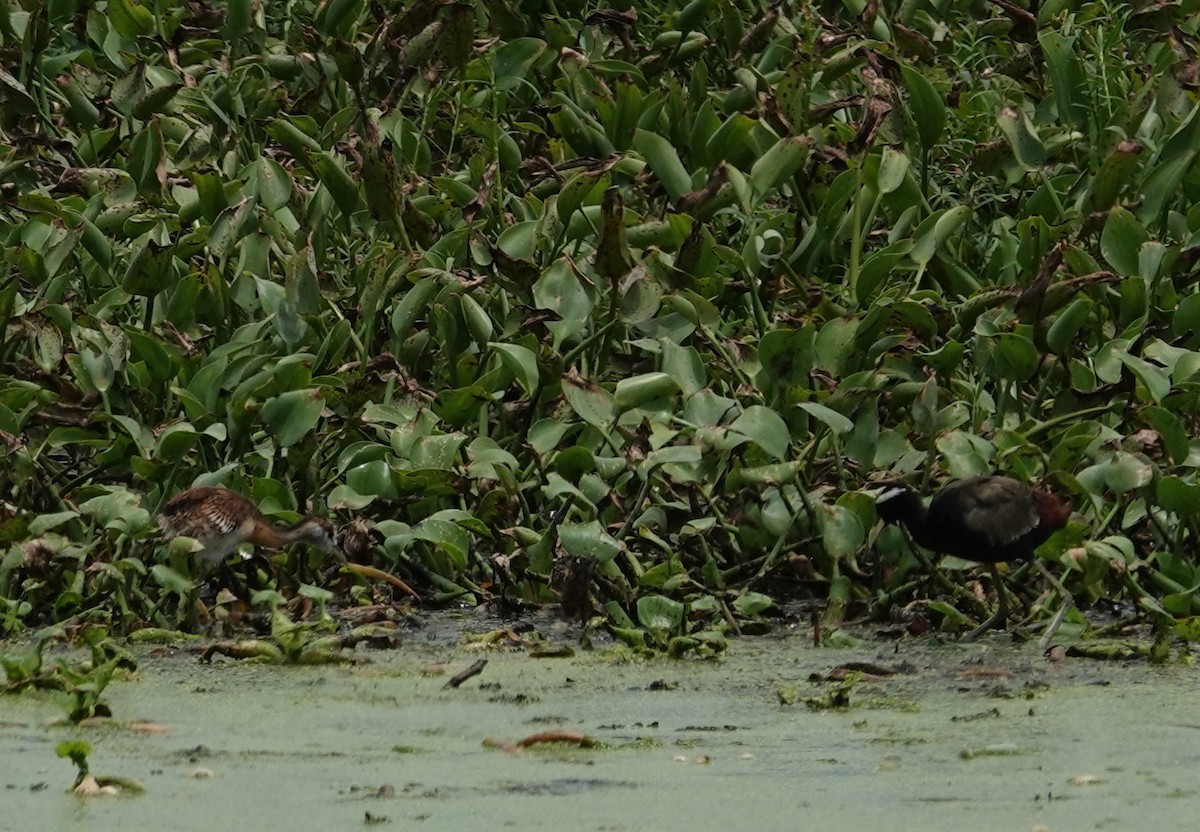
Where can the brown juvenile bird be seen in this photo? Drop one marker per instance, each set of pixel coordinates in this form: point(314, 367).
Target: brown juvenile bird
point(984, 519)
point(221, 520)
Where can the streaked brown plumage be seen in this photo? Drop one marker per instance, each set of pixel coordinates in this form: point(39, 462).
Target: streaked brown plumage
point(221, 520)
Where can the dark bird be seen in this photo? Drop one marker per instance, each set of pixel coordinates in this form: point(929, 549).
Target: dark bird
point(983, 519)
point(221, 520)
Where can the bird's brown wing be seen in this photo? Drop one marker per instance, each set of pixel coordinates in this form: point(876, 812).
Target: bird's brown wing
point(1001, 509)
point(205, 512)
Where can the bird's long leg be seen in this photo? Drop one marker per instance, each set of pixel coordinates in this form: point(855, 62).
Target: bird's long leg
point(1068, 601)
point(1000, 616)
point(931, 568)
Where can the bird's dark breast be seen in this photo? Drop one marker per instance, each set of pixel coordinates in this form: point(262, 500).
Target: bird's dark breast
point(970, 545)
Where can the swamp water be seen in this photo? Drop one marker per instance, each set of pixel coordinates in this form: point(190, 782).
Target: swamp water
point(984, 736)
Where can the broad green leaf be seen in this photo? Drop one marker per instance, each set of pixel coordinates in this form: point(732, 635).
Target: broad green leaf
point(517, 241)
point(1155, 380)
point(612, 260)
point(147, 159)
point(513, 60)
point(1062, 333)
point(685, 365)
point(842, 532)
point(1114, 175)
point(1121, 240)
point(559, 290)
point(778, 164)
point(592, 403)
point(45, 522)
point(936, 230)
point(1067, 77)
point(928, 109)
point(339, 18)
point(342, 187)
point(170, 580)
point(1125, 472)
point(1015, 356)
point(1021, 135)
point(833, 420)
point(893, 169)
point(765, 428)
point(443, 530)
point(661, 616)
point(636, 391)
point(588, 540)
point(237, 19)
point(663, 159)
point(272, 183)
point(750, 604)
point(291, 416)
point(413, 304)
point(1179, 496)
point(130, 19)
point(521, 362)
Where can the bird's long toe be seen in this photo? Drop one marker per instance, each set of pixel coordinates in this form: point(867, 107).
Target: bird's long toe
point(995, 621)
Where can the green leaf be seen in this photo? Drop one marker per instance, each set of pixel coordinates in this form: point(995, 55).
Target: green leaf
point(1155, 380)
point(765, 428)
point(521, 362)
point(45, 522)
point(835, 421)
point(237, 19)
point(893, 170)
point(414, 302)
point(660, 154)
point(644, 389)
point(588, 540)
point(1067, 77)
point(147, 159)
point(778, 164)
point(291, 416)
point(842, 532)
point(1061, 335)
point(517, 241)
point(928, 109)
point(1171, 430)
point(272, 183)
point(129, 19)
point(1125, 472)
point(342, 187)
point(1121, 240)
point(559, 290)
point(661, 616)
point(1015, 355)
point(170, 580)
point(1114, 175)
point(612, 260)
point(685, 365)
point(443, 531)
point(936, 230)
point(1021, 135)
point(592, 403)
point(513, 60)
point(339, 18)
point(1179, 496)
point(750, 604)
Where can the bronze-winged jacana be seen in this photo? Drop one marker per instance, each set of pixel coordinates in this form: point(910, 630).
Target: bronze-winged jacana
point(983, 519)
point(221, 520)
